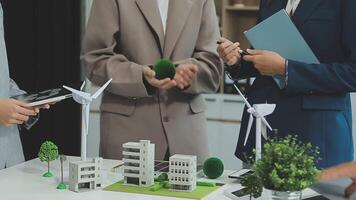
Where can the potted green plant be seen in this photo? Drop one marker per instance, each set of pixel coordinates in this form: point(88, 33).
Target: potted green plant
point(287, 167)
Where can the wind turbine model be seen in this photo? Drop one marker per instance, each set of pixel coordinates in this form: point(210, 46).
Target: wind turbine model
point(85, 99)
point(259, 111)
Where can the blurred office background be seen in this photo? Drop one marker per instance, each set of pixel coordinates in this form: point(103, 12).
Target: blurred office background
point(44, 39)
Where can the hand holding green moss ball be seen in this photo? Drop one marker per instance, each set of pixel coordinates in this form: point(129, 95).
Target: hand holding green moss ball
point(213, 168)
point(164, 68)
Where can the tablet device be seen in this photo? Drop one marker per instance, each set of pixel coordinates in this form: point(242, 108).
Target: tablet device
point(45, 97)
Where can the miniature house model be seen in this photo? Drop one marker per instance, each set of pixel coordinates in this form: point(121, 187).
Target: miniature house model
point(85, 175)
point(183, 173)
point(138, 158)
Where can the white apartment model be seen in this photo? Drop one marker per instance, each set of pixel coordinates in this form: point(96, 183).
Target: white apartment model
point(85, 175)
point(183, 173)
point(138, 158)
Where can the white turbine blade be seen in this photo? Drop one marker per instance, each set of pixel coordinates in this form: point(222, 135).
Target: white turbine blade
point(264, 131)
point(249, 126)
point(265, 122)
point(82, 87)
point(80, 93)
point(101, 90)
point(243, 97)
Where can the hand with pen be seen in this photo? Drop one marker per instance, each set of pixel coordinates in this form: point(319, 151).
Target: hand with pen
point(268, 63)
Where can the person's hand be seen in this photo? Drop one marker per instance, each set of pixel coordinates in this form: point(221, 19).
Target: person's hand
point(351, 189)
point(14, 112)
point(268, 63)
point(341, 171)
point(185, 75)
point(229, 51)
point(150, 76)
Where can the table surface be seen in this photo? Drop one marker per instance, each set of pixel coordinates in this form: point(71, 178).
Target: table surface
point(25, 181)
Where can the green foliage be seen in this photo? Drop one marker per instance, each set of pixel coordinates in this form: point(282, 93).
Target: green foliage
point(156, 187)
point(165, 184)
point(162, 177)
point(252, 184)
point(164, 68)
point(206, 184)
point(48, 152)
point(213, 168)
point(287, 165)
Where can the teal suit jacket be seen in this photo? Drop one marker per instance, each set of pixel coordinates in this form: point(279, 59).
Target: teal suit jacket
point(315, 104)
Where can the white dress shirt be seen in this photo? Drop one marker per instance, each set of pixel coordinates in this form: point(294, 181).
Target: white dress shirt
point(292, 5)
point(163, 6)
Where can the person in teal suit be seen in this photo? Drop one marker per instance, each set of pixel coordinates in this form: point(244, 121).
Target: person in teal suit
point(313, 100)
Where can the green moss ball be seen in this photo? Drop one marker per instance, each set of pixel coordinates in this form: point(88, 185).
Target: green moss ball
point(164, 68)
point(213, 168)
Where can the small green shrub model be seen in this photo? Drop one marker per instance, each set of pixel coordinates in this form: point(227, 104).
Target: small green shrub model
point(253, 185)
point(164, 68)
point(162, 177)
point(287, 165)
point(213, 168)
point(156, 187)
point(48, 152)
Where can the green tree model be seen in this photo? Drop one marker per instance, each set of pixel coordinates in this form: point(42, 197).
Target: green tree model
point(48, 152)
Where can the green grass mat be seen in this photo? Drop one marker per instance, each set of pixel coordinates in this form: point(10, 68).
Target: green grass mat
point(199, 193)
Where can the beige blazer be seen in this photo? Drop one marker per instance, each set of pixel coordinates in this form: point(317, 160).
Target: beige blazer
point(125, 35)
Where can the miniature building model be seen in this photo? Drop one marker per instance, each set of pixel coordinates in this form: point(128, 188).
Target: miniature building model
point(138, 158)
point(85, 175)
point(183, 173)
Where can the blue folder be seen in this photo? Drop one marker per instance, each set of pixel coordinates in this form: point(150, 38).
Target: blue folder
point(279, 34)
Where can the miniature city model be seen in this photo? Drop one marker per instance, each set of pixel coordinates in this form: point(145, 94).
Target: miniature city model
point(183, 173)
point(85, 175)
point(138, 158)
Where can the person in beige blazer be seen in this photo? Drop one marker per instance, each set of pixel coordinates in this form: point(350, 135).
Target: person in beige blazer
point(124, 38)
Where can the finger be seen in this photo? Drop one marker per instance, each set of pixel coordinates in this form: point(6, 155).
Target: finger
point(230, 49)
point(225, 45)
point(169, 85)
point(20, 103)
point(232, 61)
point(37, 110)
point(350, 190)
point(22, 118)
point(222, 40)
point(194, 69)
point(163, 82)
point(186, 79)
point(14, 121)
point(231, 56)
point(191, 75)
point(46, 106)
point(249, 58)
point(149, 72)
point(25, 111)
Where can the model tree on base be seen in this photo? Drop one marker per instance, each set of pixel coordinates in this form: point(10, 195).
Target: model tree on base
point(48, 152)
point(62, 186)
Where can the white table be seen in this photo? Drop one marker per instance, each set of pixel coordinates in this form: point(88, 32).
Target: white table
point(25, 181)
